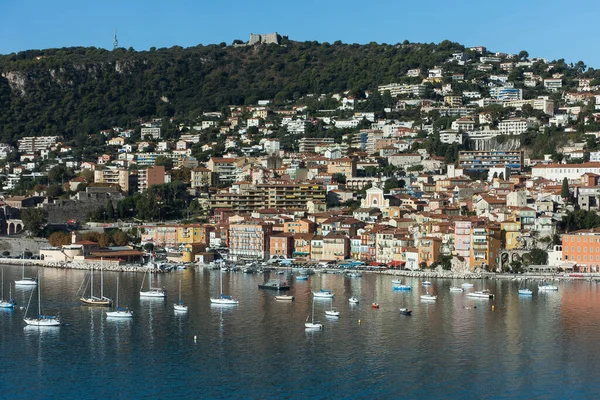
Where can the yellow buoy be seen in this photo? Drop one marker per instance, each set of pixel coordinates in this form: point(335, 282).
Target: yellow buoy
point(493, 308)
point(359, 321)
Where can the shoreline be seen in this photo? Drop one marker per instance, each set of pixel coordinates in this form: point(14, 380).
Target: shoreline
point(393, 272)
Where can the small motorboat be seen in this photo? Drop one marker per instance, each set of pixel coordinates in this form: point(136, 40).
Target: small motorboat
point(428, 297)
point(353, 300)
point(426, 283)
point(467, 285)
point(525, 292)
point(375, 305)
point(481, 294)
point(284, 298)
point(456, 289)
point(405, 311)
point(332, 313)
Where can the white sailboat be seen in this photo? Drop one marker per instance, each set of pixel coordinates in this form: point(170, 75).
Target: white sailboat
point(25, 281)
point(92, 300)
point(152, 292)
point(481, 294)
point(332, 312)
point(524, 290)
point(312, 324)
point(41, 320)
point(119, 312)
point(179, 306)
point(223, 299)
point(4, 303)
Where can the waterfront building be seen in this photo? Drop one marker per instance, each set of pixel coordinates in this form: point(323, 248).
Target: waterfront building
point(583, 249)
point(250, 240)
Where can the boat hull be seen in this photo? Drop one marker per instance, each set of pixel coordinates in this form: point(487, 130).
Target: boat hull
point(405, 311)
point(119, 314)
point(284, 298)
point(480, 296)
point(26, 282)
point(428, 297)
point(225, 302)
point(42, 321)
point(180, 307)
point(96, 302)
point(322, 295)
point(153, 294)
point(313, 326)
point(525, 292)
point(274, 287)
point(456, 289)
point(7, 304)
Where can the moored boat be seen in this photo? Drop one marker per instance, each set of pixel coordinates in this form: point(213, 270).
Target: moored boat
point(353, 300)
point(525, 292)
point(481, 294)
point(456, 289)
point(323, 294)
point(275, 284)
point(284, 297)
point(405, 311)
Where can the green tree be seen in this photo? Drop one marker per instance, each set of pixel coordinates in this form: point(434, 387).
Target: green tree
point(110, 211)
point(564, 191)
point(34, 220)
point(120, 238)
point(54, 191)
point(164, 161)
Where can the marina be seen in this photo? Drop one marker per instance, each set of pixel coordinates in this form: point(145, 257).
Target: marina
point(361, 340)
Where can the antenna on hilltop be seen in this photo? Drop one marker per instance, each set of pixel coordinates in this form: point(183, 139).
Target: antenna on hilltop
point(115, 41)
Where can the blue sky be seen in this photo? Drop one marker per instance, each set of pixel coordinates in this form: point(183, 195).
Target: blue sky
point(545, 28)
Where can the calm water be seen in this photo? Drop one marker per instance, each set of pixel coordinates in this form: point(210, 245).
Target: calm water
point(547, 346)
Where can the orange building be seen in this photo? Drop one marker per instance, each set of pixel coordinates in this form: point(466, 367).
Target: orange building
point(282, 245)
point(299, 226)
point(583, 248)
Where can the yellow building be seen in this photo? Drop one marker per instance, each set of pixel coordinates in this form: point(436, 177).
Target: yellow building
point(511, 232)
point(190, 233)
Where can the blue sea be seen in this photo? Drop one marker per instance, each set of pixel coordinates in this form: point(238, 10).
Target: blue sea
point(543, 346)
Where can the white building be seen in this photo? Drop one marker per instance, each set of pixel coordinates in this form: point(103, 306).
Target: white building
point(557, 172)
point(464, 124)
point(271, 146)
point(553, 84)
point(514, 126)
point(450, 136)
point(154, 133)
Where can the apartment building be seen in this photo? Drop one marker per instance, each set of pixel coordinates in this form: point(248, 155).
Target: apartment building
point(514, 126)
point(583, 249)
point(225, 168)
point(33, 144)
point(202, 177)
point(113, 176)
point(553, 84)
point(153, 132)
point(343, 166)
point(307, 145)
point(249, 240)
point(484, 160)
point(486, 243)
point(150, 176)
point(542, 104)
point(559, 171)
point(398, 89)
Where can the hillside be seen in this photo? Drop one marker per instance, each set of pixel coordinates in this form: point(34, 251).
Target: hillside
point(74, 91)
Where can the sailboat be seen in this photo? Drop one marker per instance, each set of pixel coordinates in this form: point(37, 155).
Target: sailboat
point(152, 291)
point(481, 294)
point(25, 281)
point(312, 324)
point(428, 297)
point(119, 312)
point(524, 291)
point(41, 320)
point(179, 306)
point(11, 302)
point(223, 299)
point(405, 310)
point(332, 312)
point(94, 300)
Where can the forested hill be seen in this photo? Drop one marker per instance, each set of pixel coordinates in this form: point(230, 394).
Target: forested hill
point(81, 90)
point(76, 91)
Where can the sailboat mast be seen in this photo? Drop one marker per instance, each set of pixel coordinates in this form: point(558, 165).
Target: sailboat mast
point(39, 297)
point(117, 292)
point(101, 279)
point(180, 291)
point(92, 283)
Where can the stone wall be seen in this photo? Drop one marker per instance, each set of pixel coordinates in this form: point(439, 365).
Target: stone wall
point(17, 245)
